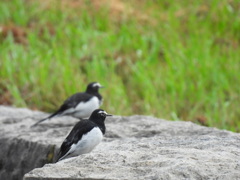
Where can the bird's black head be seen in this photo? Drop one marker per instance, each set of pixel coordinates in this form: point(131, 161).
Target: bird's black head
point(93, 87)
point(99, 115)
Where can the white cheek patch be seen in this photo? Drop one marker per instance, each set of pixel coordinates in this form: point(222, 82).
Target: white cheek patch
point(96, 84)
point(102, 112)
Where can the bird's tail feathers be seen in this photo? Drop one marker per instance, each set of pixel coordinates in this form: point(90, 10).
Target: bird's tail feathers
point(61, 157)
point(39, 122)
point(47, 118)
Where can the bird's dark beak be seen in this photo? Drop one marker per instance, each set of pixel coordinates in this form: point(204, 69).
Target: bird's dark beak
point(109, 115)
point(101, 87)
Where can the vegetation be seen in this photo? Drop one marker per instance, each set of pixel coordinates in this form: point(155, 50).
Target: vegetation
point(177, 60)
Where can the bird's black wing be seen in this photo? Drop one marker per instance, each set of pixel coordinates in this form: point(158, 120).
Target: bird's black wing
point(81, 128)
point(74, 100)
point(71, 102)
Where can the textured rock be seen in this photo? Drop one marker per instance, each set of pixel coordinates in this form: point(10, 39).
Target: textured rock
point(22, 148)
point(136, 147)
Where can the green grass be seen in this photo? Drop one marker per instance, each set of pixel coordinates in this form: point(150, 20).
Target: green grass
point(170, 59)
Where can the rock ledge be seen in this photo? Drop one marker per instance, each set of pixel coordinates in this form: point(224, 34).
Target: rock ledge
point(135, 147)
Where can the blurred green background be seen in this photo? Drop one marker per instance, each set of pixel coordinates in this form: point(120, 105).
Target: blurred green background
point(177, 60)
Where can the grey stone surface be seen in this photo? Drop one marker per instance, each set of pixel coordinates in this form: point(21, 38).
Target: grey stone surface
point(23, 148)
point(135, 147)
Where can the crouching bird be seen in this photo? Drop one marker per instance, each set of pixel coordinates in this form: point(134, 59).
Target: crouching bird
point(79, 105)
point(85, 135)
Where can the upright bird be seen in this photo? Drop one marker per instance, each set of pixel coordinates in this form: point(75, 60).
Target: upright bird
point(79, 105)
point(85, 135)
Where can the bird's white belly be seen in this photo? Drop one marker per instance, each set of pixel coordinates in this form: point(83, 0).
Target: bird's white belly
point(88, 142)
point(84, 109)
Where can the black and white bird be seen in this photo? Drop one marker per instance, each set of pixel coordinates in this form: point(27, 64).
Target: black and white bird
point(79, 105)
point(85, 135)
